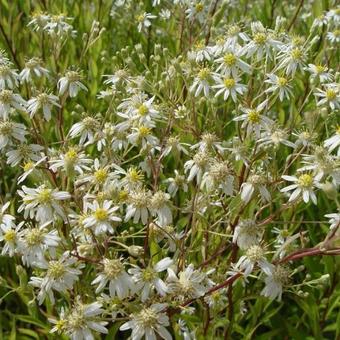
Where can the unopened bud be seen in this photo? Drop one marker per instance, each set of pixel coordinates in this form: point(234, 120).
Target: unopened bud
point(135, 251)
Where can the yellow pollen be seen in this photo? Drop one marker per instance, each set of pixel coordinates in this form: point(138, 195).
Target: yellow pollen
point(100, 214)
point(9, 236)
point(330, 94)
point(229, 59)
point(28, 166)
point(134, 175)
point(71, 155)
point(100, 175)
point(296, 54)
point(260, 38)
point(320, 68)
point(229, 83)
point(143, 110)
point(199, 7)
point(282, 81)
point(336, 33)
point(254, 116)
point(204, 73)
point(144, 131)
point(305, 181)
point(45, 196)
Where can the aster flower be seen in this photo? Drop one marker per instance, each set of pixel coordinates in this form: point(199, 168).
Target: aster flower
point(275, 280)
point(303, 185)
point(202, 82)
point(329, 96)
point(320, 73)
point(334, 220)
point(144, 20)
point(159, 206)
point(278, 85)
point(44, 102)
point(10, 100)
point(24, 152)
point(86, 129)
point(10, 131)
point(175, 183)
point(149, 322)
point(229, 87)
point(147, 279)
point(333, 36)
point(101, 217)
point(9, 234)
point(42, 202)
point(255, 182)
point(33, 68)
point(60, 276)
point(138, 206)
point(292, 58)
point(197, 166)
point(71, 84)
point(333, 142)
point(8, 77)
point(29, 168)
point(247, 233)
point(114, 274)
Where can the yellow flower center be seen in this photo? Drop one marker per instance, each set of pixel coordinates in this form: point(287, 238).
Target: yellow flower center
point(229, 83)
point(260, 38)
point(34, 237)
point(144, 131)
point(28, 166)
point(100, 175)
point(133, 175)
point(148, 274)
point(296, 54)
point(143, 110)
point(229, 59)
point(254, 116)
point(204, 73)
point(55, 270)
point(45, 196)
point(336, 33)
point(330, 94)
point(199, 7)
point(100, 214)
point(305, 181)
point(113, 268)
point(9, 236)
point(71, 155)
point(320, 68)
point(282, 81)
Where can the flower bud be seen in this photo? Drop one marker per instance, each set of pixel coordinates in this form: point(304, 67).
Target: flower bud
point(135, 251)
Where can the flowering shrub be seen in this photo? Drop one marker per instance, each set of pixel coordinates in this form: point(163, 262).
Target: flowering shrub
point(169, 169)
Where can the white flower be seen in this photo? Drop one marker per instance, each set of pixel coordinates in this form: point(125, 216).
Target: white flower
point(143, 135)
point(279, 85)
point(34, 242)
point(334, 220)
point(28, 168)
point(24, 152)
point(197, 166)
point(144, 20)
point(333, 36)
point(255, 255)
point(86, 129)
point(33, 67)
point(8, 77)
point(9, 234)
point(330, 96)
point(334, 141)
point(229, 87)
point(147, 279)
point(319, 72)
point(71, 161)
point(276, 278)
point(120, 283)
point(292, 58)
point(10, 130)
point(102, 217)
point(253, 120)
point(175, 183)
point(81, 321)
point(197, 10)
point(247, 233)
point(304, 185)
point(9, 100)
point(42, 202)
point(70, 84)
point(188, 284)
point(159, 206)
point(6, 219)
point(60, 276)
point(138, 206)
point(149, 322)
point(254, 183)
point(42, 101)
point(202, 82)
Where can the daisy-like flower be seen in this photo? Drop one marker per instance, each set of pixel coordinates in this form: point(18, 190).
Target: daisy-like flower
point(145, 111)
point(229, 87)
point(275, 136)
point(44, 102)
point(320, 21)
point(173, 145)
point(147, 279)
point(81, 321)
point(304, 185)
point(200, 52)
point(202, 82)
point(138, 206)
point(175, 183)
point(9, 100)
point(254, 255)
point(6, 219)
point(255, 182)
point(278, 85)
point(334, 220)
point(10, 130)
point(9, 234)
point(333, 36)
point(71, 84)
point(231, 63)
point(132, 178)
point(86, 129)
point(120, 283)
point(71, 161)
point(188, 284)
point(334, 15)
point(34, 242)
point(319, 72)
point(8, 77)
point(60, 276)
point(197, 10)
point(275, 280)
point(333, 142)
point(253, 120)
point(143, 135)
point(219, 176)
point(149, 322)
point(29, 168)
point(159, 206)
point(144, 20)
point(120, 76)
point(292, 58)
point(33, 68)
point(247, 233)
point(24, 152)
point(101, 217)
point(43, 203)
point(329, 96)
point(197, 166)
